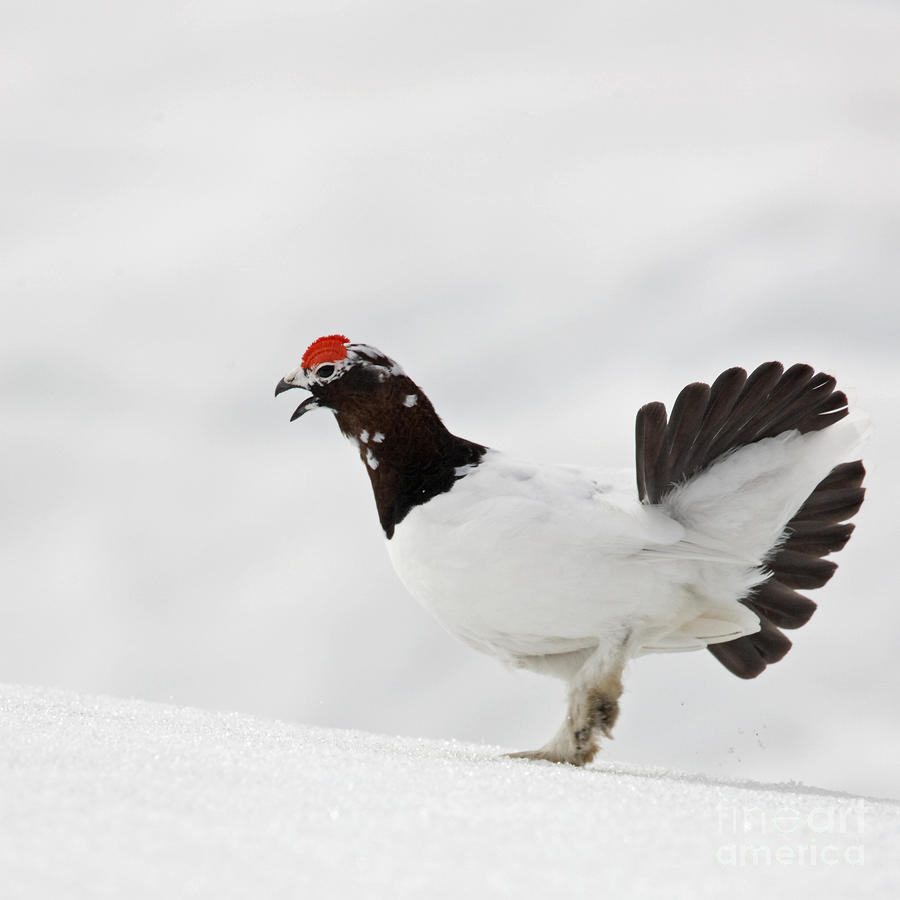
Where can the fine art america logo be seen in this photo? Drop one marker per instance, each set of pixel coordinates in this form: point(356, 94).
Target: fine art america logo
point(829, 834)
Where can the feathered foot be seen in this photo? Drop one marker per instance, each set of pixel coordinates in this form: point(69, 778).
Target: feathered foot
point(592, 710)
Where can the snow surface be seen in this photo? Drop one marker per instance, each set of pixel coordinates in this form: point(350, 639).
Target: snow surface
point(104, 797)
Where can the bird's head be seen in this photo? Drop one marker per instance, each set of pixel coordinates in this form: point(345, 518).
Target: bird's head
point(408, 453)
point(338, 374)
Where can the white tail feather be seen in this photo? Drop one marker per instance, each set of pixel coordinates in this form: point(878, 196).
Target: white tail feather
point(744, 501)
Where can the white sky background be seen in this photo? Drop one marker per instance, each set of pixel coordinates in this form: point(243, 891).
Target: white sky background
point(548, 213)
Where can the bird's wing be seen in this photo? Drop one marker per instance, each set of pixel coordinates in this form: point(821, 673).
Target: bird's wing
point(583, 504)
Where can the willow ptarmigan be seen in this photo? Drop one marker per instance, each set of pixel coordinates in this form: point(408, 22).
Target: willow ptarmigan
point(570, 571)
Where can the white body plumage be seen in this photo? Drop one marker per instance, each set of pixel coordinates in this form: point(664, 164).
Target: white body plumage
point(537, 565)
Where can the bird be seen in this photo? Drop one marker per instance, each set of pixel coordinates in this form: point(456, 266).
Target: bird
point(736, 499)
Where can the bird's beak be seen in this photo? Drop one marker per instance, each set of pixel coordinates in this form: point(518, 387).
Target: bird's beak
point(308, 404)
point(283, 386)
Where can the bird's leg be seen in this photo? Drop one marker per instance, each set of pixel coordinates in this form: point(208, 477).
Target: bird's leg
point(593, 709)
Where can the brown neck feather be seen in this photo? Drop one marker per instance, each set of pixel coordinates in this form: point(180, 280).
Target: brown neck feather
point(409, 454)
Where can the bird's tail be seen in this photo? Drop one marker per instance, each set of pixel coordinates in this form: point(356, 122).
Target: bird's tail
point(758, 465)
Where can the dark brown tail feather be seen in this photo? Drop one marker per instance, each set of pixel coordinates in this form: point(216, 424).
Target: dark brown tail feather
point(815, 531)
point(708, 422)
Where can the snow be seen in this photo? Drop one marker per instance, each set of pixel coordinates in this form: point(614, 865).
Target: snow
point(106, 797)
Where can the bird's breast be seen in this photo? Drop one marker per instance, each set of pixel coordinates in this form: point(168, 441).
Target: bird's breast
point(512, 562)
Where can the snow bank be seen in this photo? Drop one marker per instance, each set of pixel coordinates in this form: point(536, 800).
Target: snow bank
point(104, 797)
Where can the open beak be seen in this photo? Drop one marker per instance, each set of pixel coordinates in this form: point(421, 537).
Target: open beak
point(308, 404)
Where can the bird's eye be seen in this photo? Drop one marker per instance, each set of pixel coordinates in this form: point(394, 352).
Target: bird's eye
point(326, 370)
